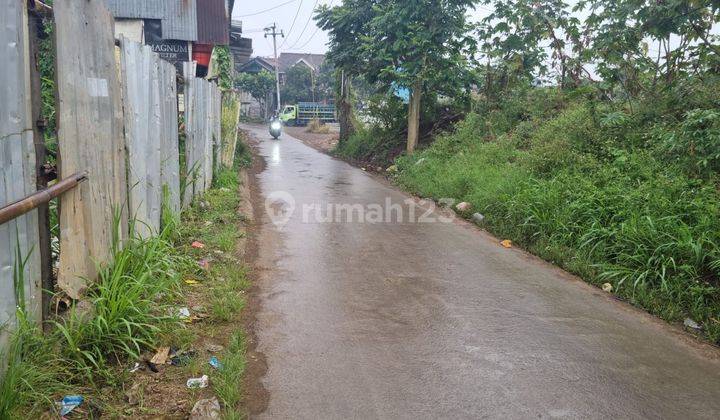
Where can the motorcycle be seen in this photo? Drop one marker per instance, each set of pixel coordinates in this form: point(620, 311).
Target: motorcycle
point(275, 128)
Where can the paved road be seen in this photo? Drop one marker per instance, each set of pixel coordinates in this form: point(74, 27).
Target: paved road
point(436, 320)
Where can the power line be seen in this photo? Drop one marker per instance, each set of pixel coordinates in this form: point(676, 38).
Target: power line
point(311, 36)
point(306, 42)
point(297, 12)
point(305, 27)
point(267, 10)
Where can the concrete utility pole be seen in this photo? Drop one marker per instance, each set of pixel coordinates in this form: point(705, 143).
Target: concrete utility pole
point(271, 30)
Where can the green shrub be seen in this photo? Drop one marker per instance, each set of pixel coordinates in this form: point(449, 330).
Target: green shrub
point(694, 142)
point(583, 195)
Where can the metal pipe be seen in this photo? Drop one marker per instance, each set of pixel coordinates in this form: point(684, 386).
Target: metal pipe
point(40, 8)
point(32, 201)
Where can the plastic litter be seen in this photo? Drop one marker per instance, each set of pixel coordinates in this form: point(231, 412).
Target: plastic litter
point(214, 348)
point(198, 245)
point(607, 287)
point(214, 362)
point(191, 282)
point(182, 313)
point(201, 382)
point(204, 264)
point(478, 217)
point(135, 368)
point(69, 403)
point(507, 243)
point(464, 206)
point(206, 409)
point(181, 358)
point(689, 323)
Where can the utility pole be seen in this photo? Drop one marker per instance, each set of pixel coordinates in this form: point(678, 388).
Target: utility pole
point(271, 30)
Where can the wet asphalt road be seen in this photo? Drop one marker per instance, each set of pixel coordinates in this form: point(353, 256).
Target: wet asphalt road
point(436, 320)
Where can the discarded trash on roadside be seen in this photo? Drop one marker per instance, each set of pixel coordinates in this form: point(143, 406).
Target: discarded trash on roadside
point(689, 323)
point(214, 362)
point(198, 245)
point(464, 206)
point(478, 218)
point(607, 287)
point(201, 382)
point(214, 348)
point(181, 358)
point(191, 282)
point(181, 313)
point(204, 264)
point(161, 356)
point(507, 243)
point(152, 366)
point(135, 368)
point(69, 403)
point(392, 169)
point(206, 409)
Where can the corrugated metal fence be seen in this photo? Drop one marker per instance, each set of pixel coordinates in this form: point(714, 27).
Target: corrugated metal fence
point(19, 237)
point(202, 134)
point(117, 114)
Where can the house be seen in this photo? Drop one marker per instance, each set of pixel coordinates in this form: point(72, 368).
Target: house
point(287, 61)
point(256, 65)
point(240, 48)
point(178, 30)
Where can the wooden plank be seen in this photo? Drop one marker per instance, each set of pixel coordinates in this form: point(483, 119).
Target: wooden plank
point(90, 138)
point(17, 167)
point(170, 160)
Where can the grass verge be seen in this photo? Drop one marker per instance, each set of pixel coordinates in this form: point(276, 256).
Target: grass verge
point(568, 182)
point(131, 312)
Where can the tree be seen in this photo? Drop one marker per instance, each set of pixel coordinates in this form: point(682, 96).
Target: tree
point(635, 38)
point(421, 45)
point(298, 85)
point(259, 85)
point(346, 24)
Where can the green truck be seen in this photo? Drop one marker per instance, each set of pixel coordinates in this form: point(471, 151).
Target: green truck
point(303, 112)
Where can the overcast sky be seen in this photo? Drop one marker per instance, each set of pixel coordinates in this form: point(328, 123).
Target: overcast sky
point(303, 36)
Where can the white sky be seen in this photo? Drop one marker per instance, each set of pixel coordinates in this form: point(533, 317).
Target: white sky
point(311, 40)
point(303, 36)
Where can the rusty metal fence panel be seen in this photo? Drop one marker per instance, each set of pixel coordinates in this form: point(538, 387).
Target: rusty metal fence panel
point(17, 170)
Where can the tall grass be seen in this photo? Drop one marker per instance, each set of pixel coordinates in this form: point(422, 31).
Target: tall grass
point(129, 308)
point(592, 198)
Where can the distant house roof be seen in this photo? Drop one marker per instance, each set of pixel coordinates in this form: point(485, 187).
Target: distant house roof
point(241, 48)
point(256, 65)
point(287, 60)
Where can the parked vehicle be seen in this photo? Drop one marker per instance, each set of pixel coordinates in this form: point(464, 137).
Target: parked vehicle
point(303, 112)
